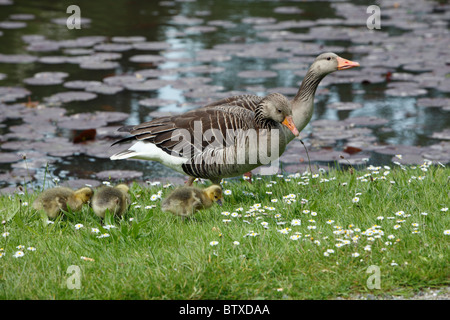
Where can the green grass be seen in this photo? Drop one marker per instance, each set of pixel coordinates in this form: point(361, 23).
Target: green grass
point(160, 256)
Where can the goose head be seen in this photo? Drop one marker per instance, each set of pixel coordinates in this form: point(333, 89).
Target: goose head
point(330, 62)
point(214, 193)
point(277, 107)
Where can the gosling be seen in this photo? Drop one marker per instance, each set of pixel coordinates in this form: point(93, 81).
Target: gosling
point(185, 201)
point(55, 200)
point(116, 200)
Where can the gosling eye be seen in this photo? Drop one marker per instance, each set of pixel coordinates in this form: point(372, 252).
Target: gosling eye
point(329, 58)
point(279, 110)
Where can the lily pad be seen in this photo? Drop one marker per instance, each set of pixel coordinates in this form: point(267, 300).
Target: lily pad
point(12, 25)
point(118, 174)
point(70, 96)
point(99, 65)
point(147, 58)
point(81, 84)
point(17, 58)
point(105, 89)
point(345, 106)
point(22, 16)
point(122, 80)
point(155, 102)
point(433, 102)
point(11, 94)
point(53, 59)
point(152, 46)
point(9, 157)
point(130, 39)
point(46, 78)
point(258, 74)
point(114, 47)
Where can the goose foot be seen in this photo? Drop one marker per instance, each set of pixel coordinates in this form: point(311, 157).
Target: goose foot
point(248, 176)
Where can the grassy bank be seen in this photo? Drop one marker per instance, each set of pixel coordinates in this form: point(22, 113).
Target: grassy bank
point(281, 237)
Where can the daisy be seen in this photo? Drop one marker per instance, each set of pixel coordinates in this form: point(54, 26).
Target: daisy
point(296, 222)
point(274, 200)
point(355, 200)
point(311, 227)
point(400, 213)
point(313, 213)
point(214, 243)
point(236, 243)
point(18, 254)
point(225, 213)
point(234, 214)
point(109, 226)
point(424, 213)
point(355, 254)
point(20, 247)
point(252, 234)
point(5, 234)
point(330, 251)
point(265, 224)
point(154, 197)
point(391, 236)
point(227, 192)
point(284, 231)
point(447, 232)
point(397, 226)
point(226, 220)
point(31, 249)
point(415, 224)
point(330, 221)
point(105, 235)
point(78, 226)
point(295, 237)
point(95, 230)
point(444, 209)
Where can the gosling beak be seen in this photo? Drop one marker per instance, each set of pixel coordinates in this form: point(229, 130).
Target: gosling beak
point(219, 202)
point(346, 64)
point(289, 123)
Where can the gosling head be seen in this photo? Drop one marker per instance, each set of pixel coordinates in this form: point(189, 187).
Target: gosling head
point(277, 107)
point(123, 187)
point(330, 62)
point(214, 193)
point(84, 194)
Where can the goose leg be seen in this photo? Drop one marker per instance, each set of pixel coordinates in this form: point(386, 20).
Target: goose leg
point(190, 181)
point(216, 181)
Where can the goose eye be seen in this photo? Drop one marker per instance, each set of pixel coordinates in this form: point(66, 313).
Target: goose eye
point(329, 58)
point(279, 110)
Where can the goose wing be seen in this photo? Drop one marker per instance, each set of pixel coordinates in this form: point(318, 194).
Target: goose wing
point(194, 131)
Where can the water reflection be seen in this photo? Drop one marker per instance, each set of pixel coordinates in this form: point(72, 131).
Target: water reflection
point(210, 43)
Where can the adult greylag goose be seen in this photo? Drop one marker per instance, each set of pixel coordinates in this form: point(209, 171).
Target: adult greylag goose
point(55, 200)
point(185, 201)
point(114, 199)
point(153, 136)
point(215, 142)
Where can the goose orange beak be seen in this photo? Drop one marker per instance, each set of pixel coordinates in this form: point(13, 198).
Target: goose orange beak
point(289, 123)
point(346, 64)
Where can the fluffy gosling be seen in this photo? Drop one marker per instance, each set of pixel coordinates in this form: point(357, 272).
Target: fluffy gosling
point(185, 201)
point(116, 200)
point(58, 199)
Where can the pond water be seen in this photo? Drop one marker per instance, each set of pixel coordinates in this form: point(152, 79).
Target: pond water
point(64, 92)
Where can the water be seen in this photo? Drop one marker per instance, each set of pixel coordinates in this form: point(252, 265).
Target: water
point(410, 52)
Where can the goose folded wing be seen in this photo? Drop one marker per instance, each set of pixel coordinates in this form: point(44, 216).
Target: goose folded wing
point(193, 132)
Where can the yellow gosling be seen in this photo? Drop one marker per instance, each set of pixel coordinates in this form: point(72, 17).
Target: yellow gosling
point(114, 199)
point(55, 200)
point(185, 201)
